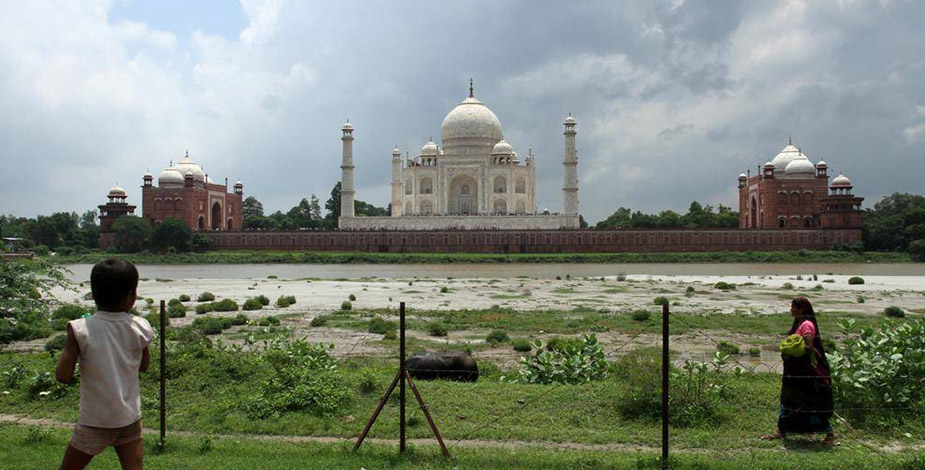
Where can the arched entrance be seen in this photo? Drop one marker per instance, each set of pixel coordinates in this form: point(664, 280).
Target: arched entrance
point(500, 206)
point(216, 216)
point(754, 213)
point(230, 224)
point(463, 196)
point(202, 223)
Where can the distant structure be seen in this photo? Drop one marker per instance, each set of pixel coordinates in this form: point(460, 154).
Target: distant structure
point(475, 181)
point(791, 192)
point(186, 192)
point(115, 208)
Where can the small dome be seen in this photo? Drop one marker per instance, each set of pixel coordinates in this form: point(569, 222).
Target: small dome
point(396, 151)
point(148, 175)
point(238, 184)
point(429, 149)
point(743, 176)
point(116, 191)
point(768, 166)
point(502, 148)
point(170, 176)
point(799, 167)
point(569, 120)
point(822, 164)
point(347, 127)
point(209, 180)
point(841, 181)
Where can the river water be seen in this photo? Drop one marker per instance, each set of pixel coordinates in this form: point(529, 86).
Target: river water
point(81, 272)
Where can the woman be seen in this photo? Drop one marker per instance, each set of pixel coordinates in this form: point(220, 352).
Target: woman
point(806, 389)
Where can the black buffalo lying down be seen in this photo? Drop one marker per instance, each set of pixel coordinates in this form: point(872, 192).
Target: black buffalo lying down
point(455, 366)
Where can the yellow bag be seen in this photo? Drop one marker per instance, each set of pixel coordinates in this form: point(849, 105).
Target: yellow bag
point(793, 346)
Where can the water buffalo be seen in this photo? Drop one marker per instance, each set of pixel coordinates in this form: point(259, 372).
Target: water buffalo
point(454, 366)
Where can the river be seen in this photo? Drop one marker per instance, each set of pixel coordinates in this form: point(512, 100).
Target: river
point(81, 272)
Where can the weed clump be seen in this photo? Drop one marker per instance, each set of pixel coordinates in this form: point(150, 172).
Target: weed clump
point(894, 311)
point(579, 362)
point(754, 352)
point(855, 280)
point(320, 320)
point(264, 300)
point(727, 348)
point(225, 305)
point(641, 315)
point(660, 300)
point(56, 343)
point(787, 286)
point(522, 345)
point(268, 321)
point(176, 310)
point(723, 285)
point(253, 304)
point(205, 297)
point(346, 305)
point(202, 309)
point(282, 302)
point(183, 298)
point(497, 337)
point(380, 326)
point(437, 329)
point(352, 298)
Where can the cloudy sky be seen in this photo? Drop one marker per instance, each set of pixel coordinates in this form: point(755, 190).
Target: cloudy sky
point(673, 98)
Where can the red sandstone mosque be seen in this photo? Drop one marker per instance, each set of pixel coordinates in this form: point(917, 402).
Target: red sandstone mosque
point(792, 193)
point(186, 192)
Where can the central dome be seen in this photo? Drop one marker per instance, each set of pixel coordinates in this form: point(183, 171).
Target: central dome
point(471, 122)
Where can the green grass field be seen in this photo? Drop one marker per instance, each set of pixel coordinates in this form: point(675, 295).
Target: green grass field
point(248, 257)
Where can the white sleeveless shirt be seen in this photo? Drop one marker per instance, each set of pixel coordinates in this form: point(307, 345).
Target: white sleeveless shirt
point(111, 345)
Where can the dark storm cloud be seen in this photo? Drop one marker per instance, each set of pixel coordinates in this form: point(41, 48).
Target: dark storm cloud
point(673, 98)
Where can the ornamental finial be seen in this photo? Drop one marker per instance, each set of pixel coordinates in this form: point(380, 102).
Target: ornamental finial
point(471, 89)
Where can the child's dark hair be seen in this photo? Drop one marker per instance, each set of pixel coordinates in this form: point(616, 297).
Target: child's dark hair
point(111, 280)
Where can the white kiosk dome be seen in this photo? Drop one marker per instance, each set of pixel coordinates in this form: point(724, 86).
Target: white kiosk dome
point(800, 166)
point(170, 176)
point(787, 155)
point(187, 165)
point(502, 148)
point(116, 191)
point(429, 149)
point(841, 181)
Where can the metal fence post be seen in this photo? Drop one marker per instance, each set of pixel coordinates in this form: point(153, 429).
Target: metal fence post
point(401, 373)
point(163, 372)
point(665, 364)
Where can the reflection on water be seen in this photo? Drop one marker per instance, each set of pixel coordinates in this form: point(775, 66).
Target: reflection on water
point(81, 272)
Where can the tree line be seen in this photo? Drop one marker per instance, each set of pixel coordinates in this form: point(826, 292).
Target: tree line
point(697, 216)
point(306, 215)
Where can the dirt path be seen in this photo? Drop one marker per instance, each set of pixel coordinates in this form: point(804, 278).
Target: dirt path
point(892, 447)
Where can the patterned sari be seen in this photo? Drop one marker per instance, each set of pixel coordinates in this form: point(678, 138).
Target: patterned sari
point(806, 392)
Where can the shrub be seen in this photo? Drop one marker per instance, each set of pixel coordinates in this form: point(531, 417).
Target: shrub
point(641, 315)
point(282, 302)
point(727, 348)
point(56, 343)
point(225, 305)
point(559, 343)
point(522, 345)
point(268, 321)
point(437, 329)
point(689, 291)
point(320, 320)
point(209, 325)
point(177, 310)
point(855, 280)
point(828, 344)
point(380, 326)
point(861, 299)
point(660, 300)
point(184, 298)
point(894, 311)
point(621, 277)
point(290, 299)
point(204, 308)
point(41, 250)
point(390, 335)
point(754, 352)
point(581, 362)
point(787, 286)
point(352, 297)
point(172, 302)
point(346, 305)
point(873, 367)
point(148, 300)
point(69, 312)
point(497, 337)
point(264, 300)
point(239, 319)
point(368, 381)
point(444, 290)
point(154, 319)
point(253, 304)
point(206, 297)
point(723, 285)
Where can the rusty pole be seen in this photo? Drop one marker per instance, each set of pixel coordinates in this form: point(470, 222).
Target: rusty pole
point(665, 363)
point(401, 373)
point(163, 372)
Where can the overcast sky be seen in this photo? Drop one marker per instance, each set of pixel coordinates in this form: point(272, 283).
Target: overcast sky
point(673, 98)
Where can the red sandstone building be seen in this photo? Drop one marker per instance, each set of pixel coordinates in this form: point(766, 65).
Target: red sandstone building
point(793, 193)
point(186, 192)
point(115, 208)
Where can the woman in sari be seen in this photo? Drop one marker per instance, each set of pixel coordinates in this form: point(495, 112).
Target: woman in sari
point(806, 388)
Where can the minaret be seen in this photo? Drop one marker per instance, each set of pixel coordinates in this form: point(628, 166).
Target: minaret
point(396, 182)
point(570, 190)
point(346, 166)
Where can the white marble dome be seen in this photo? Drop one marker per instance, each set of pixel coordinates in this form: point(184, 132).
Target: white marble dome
point(170, 176)
point(116, 191)
point(841, 181)
point(502, 148)
point(800, 166)
point(787, 155)
point(187, 165)
point(470, 121)
point(429, 149)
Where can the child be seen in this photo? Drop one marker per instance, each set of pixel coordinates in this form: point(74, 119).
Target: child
point(112, 347)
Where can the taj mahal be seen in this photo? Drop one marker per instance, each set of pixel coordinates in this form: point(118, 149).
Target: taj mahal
point(474, 181)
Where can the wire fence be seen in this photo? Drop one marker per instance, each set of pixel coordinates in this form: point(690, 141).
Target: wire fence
point(545, 399)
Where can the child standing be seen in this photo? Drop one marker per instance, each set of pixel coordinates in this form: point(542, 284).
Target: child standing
point(112, 347)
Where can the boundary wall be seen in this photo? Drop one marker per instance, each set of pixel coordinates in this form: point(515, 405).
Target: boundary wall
point(537, 241)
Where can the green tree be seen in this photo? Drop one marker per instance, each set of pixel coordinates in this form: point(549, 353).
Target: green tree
point(895, 222)
point(332, 205)
point(132, 233)
point(301, 214)
point(315, 208)
point(25, 298)
point(200, 243)
point(251, 210)
point(172, 233)
point(88, 219)
point(58, 229)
